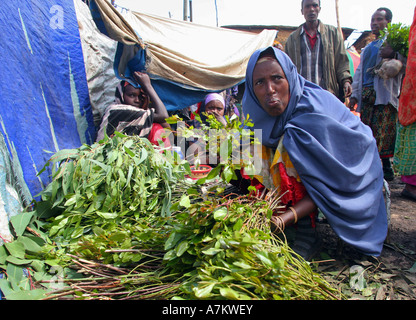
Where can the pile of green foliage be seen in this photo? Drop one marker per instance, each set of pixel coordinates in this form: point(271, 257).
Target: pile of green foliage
point(397, 36)
point(120, 220)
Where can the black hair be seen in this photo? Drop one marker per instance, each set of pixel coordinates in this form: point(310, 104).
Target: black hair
point(304, 1)
point(389, 14)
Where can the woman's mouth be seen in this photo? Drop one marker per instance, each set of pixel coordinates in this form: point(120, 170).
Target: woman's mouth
point(273, 101)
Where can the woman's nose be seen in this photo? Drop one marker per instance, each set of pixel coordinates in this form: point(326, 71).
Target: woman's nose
point(269, 87)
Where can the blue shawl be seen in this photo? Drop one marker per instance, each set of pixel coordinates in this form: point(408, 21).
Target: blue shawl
point(333, 152)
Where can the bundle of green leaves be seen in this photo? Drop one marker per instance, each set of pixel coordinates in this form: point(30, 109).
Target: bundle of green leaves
point(228, 252)
point(106, 183)
point(397, 36)
point(122, 203)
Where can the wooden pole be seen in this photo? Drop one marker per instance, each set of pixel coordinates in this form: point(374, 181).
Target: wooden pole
point(338, 20)
point(216, 10)
point(185, 10)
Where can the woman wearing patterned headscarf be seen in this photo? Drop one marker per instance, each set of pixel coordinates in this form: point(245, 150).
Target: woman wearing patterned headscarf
point(318, 152)
point(131, 115)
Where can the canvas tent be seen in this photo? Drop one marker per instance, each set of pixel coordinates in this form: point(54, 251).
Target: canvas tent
point(61, 61)
point(185, 60)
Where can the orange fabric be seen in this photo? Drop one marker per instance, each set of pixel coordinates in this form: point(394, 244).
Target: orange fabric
point(407, 102)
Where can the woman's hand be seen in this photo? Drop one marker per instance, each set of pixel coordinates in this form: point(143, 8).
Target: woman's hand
point(143, 79)
point(303, 208)
point(161, 113)
point(220, 118)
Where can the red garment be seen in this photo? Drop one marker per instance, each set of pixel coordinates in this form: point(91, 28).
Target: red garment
point(291, 189)
point(312, 39)
point(156, 134)
point(196, 111)
point(407, 102)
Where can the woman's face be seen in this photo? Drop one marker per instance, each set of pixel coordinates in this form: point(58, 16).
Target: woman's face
point(271, 86)
point(133, 96)
point(215, 107)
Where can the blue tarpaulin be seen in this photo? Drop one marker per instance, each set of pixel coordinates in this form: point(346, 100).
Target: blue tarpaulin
point(44, 102)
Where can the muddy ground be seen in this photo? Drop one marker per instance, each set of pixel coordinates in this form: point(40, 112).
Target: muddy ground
point(392, 276)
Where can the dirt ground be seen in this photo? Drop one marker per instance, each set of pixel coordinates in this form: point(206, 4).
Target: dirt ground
point(392, 276)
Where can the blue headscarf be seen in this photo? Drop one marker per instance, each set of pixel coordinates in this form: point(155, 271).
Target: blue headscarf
point(333, 152)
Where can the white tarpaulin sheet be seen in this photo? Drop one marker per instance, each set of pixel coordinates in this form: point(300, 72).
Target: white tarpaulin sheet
point(203, 57)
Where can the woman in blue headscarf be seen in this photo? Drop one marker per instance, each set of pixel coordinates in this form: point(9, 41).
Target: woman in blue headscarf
point(323, 154)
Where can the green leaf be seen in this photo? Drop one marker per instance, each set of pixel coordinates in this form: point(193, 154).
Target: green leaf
point(3, 254)
point(35, 294)
point(103, 166)
point(14, 274)
point(78, 232)
point(185, 201)
point(18, 261)
point(129, 152)
point(229, 293)
point(242, 265)
point(5, 287)
point(65, 154)
point(238, 225)
point(16, 249)
point(71, 201)
point(357, 278)
point(220, 213)
point(205, 292)
point(211, 251)
point(20, 222)
point(263, 256)
point(172, 240)
point(171, 254)
point(143, 156)
point(30, 245)
point(181, 248)
point(214, 172)
point(44, 210)
point(107, 215)
point(228, 174)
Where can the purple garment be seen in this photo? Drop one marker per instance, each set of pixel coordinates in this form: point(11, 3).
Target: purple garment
point(409, 179)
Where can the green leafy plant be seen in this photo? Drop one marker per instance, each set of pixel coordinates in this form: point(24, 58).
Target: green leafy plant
point(233, 145)
point(397, 36)
point(119, 220)
point(226, 247)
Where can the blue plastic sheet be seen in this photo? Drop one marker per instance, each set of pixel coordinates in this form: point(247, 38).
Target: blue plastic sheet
point(44, 104)
point(175, 96)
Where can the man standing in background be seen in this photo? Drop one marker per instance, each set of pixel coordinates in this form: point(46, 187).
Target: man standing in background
point(319, 53)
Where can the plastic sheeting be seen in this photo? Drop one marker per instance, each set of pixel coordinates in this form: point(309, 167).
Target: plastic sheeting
point(185, 60)
point(44, 102)
point(99, 52)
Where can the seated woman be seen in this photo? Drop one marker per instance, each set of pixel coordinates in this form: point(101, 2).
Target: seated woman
point(307, 152)
point(213, 104)
point(131, 114)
